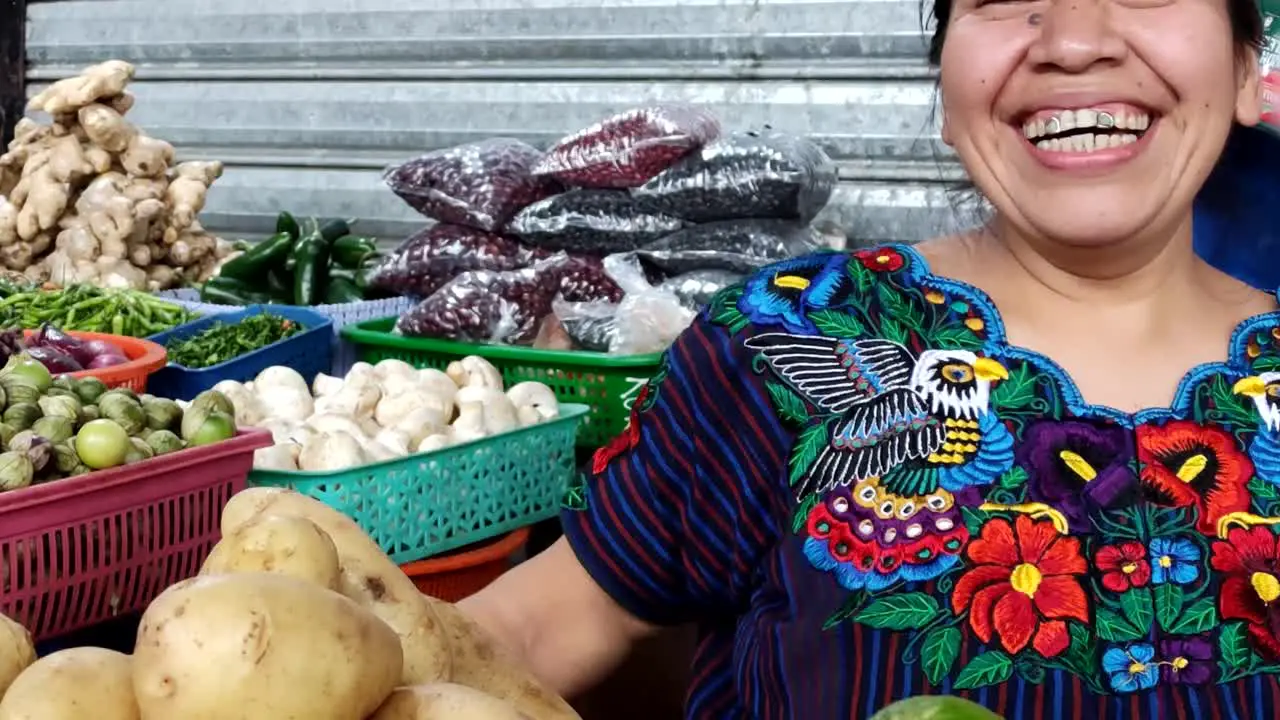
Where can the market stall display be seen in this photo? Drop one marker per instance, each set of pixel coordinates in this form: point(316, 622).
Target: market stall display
point(298, 599)
point(418, 457)
point(92, 309)
point(92, 198)
point(239, 345)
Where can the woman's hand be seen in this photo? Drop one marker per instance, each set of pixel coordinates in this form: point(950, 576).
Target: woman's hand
point(557, 620)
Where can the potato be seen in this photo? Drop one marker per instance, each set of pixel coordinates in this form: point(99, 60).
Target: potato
point(83, 682)
point(261, 646)
point(291, 546)
point(480, 663)
point(17, 651)
point(444, 701)
point(368, 577)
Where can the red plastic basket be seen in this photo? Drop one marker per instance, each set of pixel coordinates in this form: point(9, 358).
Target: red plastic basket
point(459, 575)
point(145, 357)
point(79, 551)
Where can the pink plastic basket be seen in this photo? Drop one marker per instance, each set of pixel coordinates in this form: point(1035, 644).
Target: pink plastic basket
point(80, 551)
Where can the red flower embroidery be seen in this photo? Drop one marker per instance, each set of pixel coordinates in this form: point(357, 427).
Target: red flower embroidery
point(881, 259)
point(1022, 586)
point(1190, 465)
point(1249, 561)
point(626, 441)
point(1123, 566)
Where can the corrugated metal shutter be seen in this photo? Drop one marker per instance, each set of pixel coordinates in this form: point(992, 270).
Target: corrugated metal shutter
point(306, 100)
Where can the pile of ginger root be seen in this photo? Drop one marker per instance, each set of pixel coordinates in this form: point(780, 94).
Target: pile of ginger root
point(91, 198)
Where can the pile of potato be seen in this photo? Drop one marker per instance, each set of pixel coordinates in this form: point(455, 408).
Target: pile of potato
point(90, 197)
point(295, 614)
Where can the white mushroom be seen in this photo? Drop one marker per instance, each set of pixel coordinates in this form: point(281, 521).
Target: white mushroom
point(499, 413)
point(470, 423)
point(473, 371)
point(432, 443)
point(283, 456)
point(535, 403)
point(326, 385)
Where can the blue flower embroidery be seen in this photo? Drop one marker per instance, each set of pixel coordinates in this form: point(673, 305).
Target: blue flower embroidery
point(1174, 561)
point(1131, 668)
point(780, 294)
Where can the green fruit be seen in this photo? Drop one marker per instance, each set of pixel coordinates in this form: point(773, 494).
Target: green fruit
point(935, 707)
point(102, 444)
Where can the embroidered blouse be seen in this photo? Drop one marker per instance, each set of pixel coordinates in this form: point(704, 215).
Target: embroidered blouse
point(861, 492)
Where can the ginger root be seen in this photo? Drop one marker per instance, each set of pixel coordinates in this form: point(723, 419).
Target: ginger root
point(43, 205)
point(105, 80)
point(187, 193)
point(107, 128)
point(147, 157)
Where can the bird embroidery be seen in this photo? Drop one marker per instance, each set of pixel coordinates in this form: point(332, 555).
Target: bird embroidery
point(915, 422)
point(1264, 390)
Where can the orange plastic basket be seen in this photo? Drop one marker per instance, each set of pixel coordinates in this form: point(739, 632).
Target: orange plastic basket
point(458, 575)
point(145, 357)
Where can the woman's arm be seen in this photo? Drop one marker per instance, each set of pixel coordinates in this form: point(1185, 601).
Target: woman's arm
point(557, 620)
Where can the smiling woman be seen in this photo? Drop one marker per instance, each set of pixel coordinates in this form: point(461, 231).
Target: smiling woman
point(1036, 464)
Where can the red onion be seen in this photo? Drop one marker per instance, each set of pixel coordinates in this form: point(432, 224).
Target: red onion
point(102, 347)
point(107, 360)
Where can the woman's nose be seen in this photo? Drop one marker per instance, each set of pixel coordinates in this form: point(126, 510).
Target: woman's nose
point(1075, 35)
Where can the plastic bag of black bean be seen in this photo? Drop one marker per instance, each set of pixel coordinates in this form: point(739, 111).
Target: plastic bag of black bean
point(591, 222)
point(438, 254)
point(627, 149)
point(489, 307)
point(740, 246)
point(480, 185)
point(750, 175)
point(591, 325)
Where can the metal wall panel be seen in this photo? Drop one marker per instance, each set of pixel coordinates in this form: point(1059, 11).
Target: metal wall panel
point(306, 100)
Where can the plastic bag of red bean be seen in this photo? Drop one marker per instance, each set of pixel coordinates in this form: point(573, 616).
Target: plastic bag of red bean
point(591, 222)
point(740, 246)
point(625, 150)
point(750, 175)
point(584, 279)
point(480, 185)
point(438, 254)
point(488, 307)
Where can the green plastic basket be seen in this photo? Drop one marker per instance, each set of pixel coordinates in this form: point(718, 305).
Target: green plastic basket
point(608, 384)
point(430, 503)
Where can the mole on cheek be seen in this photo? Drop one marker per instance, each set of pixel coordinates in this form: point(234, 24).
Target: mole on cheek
point(1033, 19)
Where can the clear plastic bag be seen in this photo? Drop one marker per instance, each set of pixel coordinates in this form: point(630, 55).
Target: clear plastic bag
point(426, 261)
point(584, 279)
point(627, 149)
point(489, 307)
point(697, 288)
point(740, 246)
point(591, 222)
point(480, 185)
point(647, 320)
point(591, 325)
point(750, 175)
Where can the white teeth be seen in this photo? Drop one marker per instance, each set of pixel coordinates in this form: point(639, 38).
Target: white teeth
point(1083, 119)
point(1087, 143)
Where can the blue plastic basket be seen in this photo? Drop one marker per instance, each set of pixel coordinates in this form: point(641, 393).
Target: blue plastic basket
point(307, 352)
point(342, 314)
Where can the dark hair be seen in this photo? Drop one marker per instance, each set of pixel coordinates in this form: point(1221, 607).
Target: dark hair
point(1246, 25)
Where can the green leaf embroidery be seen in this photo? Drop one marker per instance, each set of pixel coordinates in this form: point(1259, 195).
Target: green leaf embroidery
point(801, 515)
point(1013, 478)
point(1234, 410)
point(1200, 617)
point(955, 337)
point(838, 324)
point(1136, 605)
point(892, 330)
point(850, 608)
point(939, 653)
point(1266, 363)
point(861, 276)
point(1234, 644)
point(1168, 599)
point(575, 494)
point(974, 519)
point(811, 442)
point(724, 310)
point(896, 305)
point(989, 668)
point(789, 405)
point(1111, 626)
point(1260, 488)
point(899, 612)
point(1017, 392)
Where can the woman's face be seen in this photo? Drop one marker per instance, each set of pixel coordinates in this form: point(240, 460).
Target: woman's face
point(1087, 122)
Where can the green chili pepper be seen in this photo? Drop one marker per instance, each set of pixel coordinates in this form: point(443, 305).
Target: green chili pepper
point(334, 229)
point(258, 261)
point(351, 251)
point(280, 285)
point(311, 261)
point(342, 290)
point(285, 223)
point(229, 291)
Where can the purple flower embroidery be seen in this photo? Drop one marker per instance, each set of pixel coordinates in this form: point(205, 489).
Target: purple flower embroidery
point(1187, 661)
point(1077, 466)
